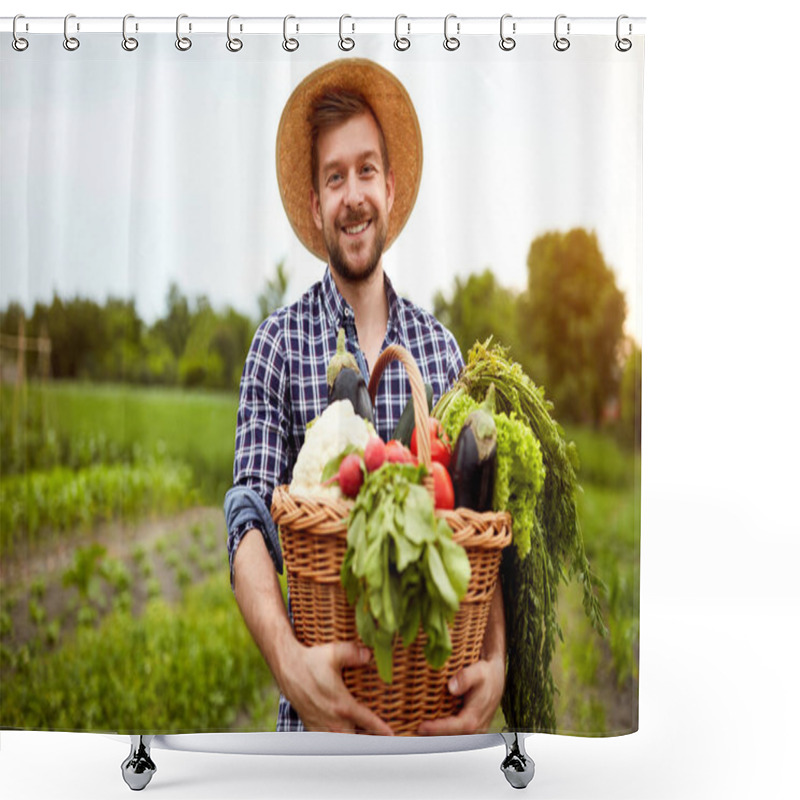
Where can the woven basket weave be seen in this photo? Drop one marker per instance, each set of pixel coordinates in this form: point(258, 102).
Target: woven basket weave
point(314, 540)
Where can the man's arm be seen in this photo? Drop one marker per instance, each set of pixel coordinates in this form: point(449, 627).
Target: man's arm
point(481, 683)
point(309, 677)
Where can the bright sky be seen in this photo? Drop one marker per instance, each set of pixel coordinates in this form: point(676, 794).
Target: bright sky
point(121, 172)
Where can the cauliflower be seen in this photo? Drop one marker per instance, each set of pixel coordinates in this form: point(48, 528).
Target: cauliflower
point(334, 429)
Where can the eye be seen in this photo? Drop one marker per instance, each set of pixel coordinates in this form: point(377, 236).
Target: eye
point(333, 178)
point(367, 169)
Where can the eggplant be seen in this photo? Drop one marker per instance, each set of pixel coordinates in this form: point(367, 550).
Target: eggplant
point(473, 465)
point(405, 427)
point(345, 381)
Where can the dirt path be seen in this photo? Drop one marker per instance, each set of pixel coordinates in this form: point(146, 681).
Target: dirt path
point(43, 559)
point(155, 557)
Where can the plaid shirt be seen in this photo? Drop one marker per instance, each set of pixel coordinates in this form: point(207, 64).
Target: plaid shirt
point(284, 387)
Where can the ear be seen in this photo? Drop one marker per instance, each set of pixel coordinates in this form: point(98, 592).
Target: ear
point(313, 199)
point(390, 190)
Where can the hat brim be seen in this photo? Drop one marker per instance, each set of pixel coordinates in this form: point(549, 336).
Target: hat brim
point(389, 100)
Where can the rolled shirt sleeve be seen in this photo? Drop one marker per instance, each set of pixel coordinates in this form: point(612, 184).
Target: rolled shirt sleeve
point(261, 459)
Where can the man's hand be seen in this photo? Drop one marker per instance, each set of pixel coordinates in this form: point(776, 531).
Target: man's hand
point(481, 684)
point(315, 688)
point(309, 677)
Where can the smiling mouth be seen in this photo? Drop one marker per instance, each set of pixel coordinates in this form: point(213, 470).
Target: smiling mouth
point(354, 230)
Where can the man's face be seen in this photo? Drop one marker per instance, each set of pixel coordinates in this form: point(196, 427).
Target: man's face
point(355, 197)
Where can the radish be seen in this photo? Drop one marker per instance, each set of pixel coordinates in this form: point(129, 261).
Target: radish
point(351, 475)
point(374, 454)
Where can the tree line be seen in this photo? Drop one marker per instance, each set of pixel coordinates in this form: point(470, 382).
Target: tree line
point(192, 345)
point(566, 329)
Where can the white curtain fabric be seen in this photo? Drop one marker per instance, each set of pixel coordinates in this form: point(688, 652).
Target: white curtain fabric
point(125, 171)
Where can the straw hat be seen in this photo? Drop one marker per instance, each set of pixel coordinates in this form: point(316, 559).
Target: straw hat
point(395, 112)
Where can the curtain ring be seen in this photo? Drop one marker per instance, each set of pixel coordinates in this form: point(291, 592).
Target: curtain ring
point(70, 42)
point(234, 45)
point(128, 42)
point(506, 42)
point(345, 43)
point(181, 42)
point(623, 45)
point(18, 43)
point(451, 42)
point(401, 42)
point(561, 43)
point(290, 45)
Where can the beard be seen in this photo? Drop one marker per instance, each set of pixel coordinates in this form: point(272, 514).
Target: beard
point(337, 257)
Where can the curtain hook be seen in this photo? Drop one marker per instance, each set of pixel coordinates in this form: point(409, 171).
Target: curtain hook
point(561, 43)
point(623, 45)
point(234, 45)
point(70, 42)
point(128, 42)
point(345, 43)
point(451, 42)
point(290, 45)
point(18, 43)
point(401, 42)
point(507, 42)
point(181, 42)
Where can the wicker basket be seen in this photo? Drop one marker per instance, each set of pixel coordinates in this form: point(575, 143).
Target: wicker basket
point(314, 540)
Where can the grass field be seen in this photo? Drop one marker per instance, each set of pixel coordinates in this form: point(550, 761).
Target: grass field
point(107, 615)
point(76, 425)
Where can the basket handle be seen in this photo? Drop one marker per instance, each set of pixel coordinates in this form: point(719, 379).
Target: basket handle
point(394, 352)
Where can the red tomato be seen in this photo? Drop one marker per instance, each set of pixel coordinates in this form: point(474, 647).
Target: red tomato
point(443, 496)
point(440, 444)
point(398, 453)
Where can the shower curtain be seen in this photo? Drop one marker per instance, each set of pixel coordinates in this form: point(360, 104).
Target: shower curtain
point(148, 237)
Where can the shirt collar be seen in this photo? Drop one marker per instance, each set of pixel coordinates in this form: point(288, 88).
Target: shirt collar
point(336, 307)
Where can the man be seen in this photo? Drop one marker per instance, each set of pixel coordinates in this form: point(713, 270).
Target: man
point(349, 159)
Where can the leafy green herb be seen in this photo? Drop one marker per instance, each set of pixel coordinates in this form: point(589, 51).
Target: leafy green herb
point(402, 569)
point(530, 578)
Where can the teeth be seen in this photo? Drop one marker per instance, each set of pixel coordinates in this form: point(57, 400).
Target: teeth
point(357, 228)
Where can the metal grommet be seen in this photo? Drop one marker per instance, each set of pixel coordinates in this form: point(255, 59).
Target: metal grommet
point(18, 43)
point(623, 45)
point(128, 42)
point(183, 43)
point(401, 42)
point(561, 43)
point(506, 42)
point(289, 44)
point(451, 42)
point(234, 45)
point(70, 42)
point(345, 43)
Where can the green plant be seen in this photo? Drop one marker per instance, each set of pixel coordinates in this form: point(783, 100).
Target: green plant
point(153, 588)
point(116, 574)
point(52, 632)
point(38, 587)
point(192, 666)
point(83, 573)
point(36, 612)
point(6, 624)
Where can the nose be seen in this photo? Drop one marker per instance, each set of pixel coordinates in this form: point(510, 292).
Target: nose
point(353, 192)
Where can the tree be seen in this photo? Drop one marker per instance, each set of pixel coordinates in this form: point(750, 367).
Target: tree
point(274, 293)
point(480, 307)
point(575, 315)
point(630, 398)
point(176, 326)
